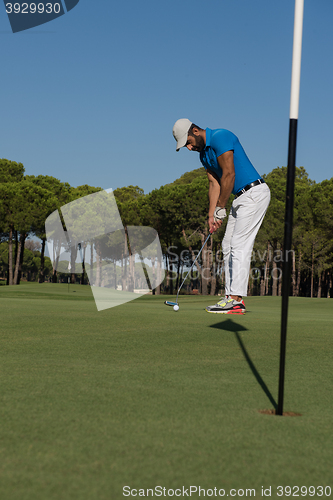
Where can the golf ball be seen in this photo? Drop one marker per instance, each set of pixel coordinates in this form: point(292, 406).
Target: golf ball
point(176, 307)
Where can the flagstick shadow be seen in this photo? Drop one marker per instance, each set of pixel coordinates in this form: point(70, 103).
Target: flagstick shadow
point(231, 326)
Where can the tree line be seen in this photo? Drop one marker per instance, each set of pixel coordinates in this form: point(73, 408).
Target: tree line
point(25, 203)
point(178, 212)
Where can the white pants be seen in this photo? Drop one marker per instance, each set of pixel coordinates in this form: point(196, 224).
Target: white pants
point(245, 218)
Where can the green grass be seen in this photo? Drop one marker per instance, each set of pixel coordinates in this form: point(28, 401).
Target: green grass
point(142, 396)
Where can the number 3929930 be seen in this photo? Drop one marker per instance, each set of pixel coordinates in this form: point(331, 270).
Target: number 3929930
point(33, 8)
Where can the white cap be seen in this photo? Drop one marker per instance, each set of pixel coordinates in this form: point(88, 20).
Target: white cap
point(180, 132)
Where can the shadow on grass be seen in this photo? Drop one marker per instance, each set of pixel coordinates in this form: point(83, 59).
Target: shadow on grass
point(230, 326)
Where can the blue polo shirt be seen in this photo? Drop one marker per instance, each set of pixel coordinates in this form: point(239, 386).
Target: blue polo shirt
point(220, 141)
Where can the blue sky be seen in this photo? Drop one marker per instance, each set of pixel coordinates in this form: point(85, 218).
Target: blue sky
point(91, 97)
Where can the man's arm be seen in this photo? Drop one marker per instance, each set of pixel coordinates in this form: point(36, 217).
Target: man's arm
point(214, 193)
point(219, 192)
point(226, 162)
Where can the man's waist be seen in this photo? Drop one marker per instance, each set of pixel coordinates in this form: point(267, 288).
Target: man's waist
point(249, 186)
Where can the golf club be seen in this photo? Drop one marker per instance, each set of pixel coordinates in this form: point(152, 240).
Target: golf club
point(175, 304)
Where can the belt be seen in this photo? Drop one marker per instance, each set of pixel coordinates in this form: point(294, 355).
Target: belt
point(249, 186)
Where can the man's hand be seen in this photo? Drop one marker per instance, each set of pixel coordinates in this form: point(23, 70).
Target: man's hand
point(217, 219)
point(220, 213)
point(214, 224)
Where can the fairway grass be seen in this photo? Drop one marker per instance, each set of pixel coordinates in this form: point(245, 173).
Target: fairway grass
point(142, 396)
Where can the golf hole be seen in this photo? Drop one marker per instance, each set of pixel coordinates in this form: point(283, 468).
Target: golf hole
point(285, 413)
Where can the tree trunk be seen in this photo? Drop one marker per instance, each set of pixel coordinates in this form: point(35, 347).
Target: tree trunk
point(213, 268)
point(262, 283)
point(250, 283)
point(178, 270)
point(19, 259)
point(130, 276)
point(18, 247)
point(98, 264)
point(83, 262)
point(115, 274)
point(275, 279)
point(91, 262)
point(73, 260)
point(56, 254)
point(169, 283)
point(159, 271)
point(10, 257)
point(267, 270)
point(294, 274)
point(298, 284)
point(42, 262)
point(319, 285)
point(24, 236)
point(153, 284)
point(16, 252)
point(123, 283)
point(130, 286)
point(312, 270)
point(205, 271)
point(213, 283)
point(124, 275)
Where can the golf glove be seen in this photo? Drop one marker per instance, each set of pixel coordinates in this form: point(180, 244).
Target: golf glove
point(220, 213)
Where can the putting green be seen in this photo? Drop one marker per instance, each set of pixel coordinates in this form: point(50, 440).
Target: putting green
point(142, 396)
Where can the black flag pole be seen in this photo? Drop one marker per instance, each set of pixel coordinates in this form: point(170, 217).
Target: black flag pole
point(286, 269)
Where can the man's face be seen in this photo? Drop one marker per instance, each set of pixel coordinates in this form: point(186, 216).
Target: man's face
point(195, 143)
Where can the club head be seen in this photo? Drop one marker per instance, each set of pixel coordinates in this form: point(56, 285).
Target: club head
point(168, 303)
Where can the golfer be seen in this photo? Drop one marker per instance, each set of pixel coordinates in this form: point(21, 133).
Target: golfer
point(229, 172)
